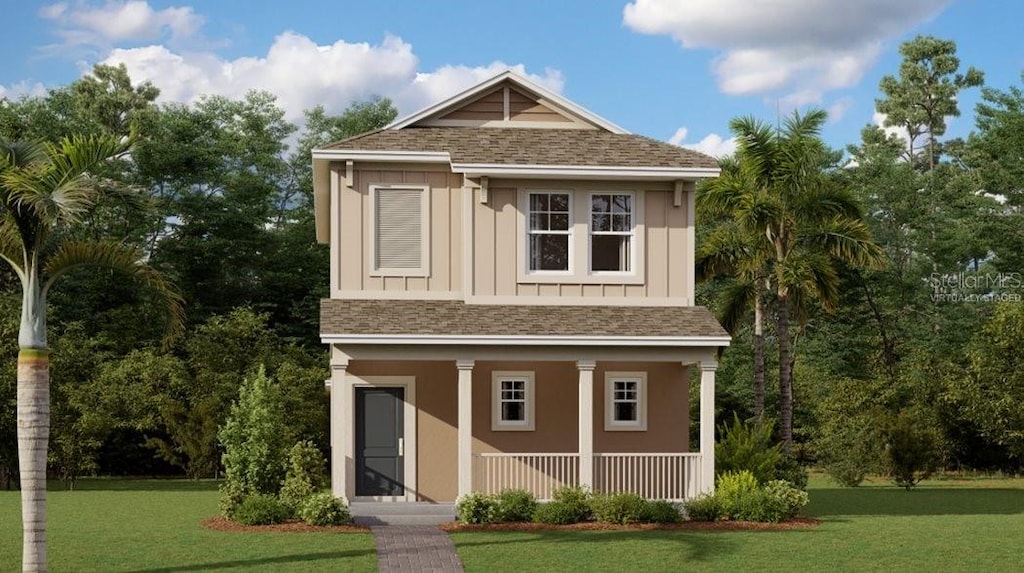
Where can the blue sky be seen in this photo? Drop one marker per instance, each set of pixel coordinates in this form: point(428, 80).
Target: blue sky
point(671, 69)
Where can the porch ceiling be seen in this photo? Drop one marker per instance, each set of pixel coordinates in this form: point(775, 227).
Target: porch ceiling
point(456, 319)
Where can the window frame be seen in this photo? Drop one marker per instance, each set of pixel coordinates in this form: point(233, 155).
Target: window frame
point(570, 233)
point(424, 269)
point(632, 234)
point(610, 423)
point(499, 425)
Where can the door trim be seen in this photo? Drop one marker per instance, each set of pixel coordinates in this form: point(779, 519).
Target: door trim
point(408, 383)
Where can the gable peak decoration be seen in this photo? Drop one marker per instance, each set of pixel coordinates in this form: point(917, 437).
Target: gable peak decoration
point(507, 100)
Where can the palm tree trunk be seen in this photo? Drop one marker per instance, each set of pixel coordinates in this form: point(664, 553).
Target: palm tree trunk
point(33, 436)
point(758, 358)
point(785, 376)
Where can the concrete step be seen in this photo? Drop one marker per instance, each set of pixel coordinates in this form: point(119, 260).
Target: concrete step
point(401, 513)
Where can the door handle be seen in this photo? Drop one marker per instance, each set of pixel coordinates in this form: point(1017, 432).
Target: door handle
point(401, 446)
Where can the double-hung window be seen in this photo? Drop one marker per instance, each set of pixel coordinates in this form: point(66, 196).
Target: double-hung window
point(625, 405)
point(611, 232)
point(549, 230)
point(512, 401)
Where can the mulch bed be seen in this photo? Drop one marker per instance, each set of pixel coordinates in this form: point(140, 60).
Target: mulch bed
point(798, 523)
point(223, 524)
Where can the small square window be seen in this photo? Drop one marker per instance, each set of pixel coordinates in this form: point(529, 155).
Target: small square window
point(625, 404)
point(512, 401)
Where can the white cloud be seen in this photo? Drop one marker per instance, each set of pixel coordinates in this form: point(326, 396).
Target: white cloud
point(801, 47)
point(838, 109)
point(20, 89)
point(303, 74)
point(116, 21)
point(878, 118)
point(712, 144)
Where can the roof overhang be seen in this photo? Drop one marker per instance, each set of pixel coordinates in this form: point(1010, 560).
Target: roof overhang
point(447, 340)
point(584, 172)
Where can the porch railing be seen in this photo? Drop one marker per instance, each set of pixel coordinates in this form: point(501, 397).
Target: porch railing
point(671, 476)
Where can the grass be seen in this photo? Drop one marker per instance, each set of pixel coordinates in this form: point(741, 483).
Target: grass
point(944, 525)
point(154, 526)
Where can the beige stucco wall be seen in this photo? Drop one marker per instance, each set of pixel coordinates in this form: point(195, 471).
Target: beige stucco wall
point(556, 403)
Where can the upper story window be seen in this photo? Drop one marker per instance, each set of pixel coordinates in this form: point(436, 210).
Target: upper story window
point(611, 232)
point(400, 243)
point(512, 401)
point(549, 228)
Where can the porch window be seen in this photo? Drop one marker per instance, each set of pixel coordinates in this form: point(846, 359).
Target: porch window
point(549, 230)
point(400, 229)
point(512, 401)
point(611, 232)
point(625, 404)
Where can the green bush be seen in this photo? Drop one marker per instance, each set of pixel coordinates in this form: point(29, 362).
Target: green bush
point(513, 505)
point(732, 491)
point(619, 508)
point(703, 508)
point(324, 509)
point(661, 511)
point(576, 500)
point(911, 451)
point(305, 475)
point(475, 507)
point(557, 513)
point(748, 447)
point(260, 509)
point(295, 492)
point(791, 499)
point(757, 505)
point(790, 470)
point(232, 494)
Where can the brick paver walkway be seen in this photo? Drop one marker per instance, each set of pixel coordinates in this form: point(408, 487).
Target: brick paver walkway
point(415, 548)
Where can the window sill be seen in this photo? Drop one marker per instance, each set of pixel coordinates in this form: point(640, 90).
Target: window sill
point(576, 279)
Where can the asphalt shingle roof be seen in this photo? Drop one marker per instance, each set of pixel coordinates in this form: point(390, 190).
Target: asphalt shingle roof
point(511, 146)
point(444, 317)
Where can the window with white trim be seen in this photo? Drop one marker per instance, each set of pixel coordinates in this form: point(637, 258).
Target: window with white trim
point(549, 230)
point(625, 401)
point(512, 401)
point(400, 243)
point(611, 232)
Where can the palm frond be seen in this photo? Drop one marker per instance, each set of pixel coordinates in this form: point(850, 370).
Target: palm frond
point(737, 300)
point(850, 241)
point(11, 249)
point(116, 256)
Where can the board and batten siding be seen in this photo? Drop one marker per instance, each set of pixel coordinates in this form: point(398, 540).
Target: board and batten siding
point(668, 263)
point(354, 269)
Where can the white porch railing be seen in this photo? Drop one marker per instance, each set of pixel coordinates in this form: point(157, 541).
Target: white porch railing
point(540, 474)
point(674, 477)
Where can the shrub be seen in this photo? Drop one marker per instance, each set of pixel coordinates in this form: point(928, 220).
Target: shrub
point(619, 508)
point(231, 496)
point(294, 492)
point(260, 509)
point(791, 499)
point(576, 500)
point(557, 513)
point(475, 507)
point(703, 508)
point(325, 509)
point(748, 447)
point(790, 470)
point(732, 490)
point(305, 475)
point(911, 452)
point(757, 505)
point(513, 505)
point(661, 511)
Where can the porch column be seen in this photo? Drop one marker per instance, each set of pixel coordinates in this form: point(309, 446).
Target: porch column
point(340, 424)
point(465, 425)
point(586, 422)
point(707, 426)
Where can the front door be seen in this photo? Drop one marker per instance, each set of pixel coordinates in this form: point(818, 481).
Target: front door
point(380, 433)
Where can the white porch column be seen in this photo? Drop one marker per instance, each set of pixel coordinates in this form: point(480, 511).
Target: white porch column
point(586, 422)
point(707, 426)
point(340, 424)
point(465, 425)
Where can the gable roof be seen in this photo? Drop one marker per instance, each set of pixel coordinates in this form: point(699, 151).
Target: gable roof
point(443, 107)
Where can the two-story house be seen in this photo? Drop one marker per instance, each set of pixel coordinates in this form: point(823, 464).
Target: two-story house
point(512, 303)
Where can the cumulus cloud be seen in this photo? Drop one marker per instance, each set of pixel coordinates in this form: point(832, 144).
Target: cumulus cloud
point(712, 144)
point(802, 47)
point(303, 74)
point(117, 21)
point(21, 89)
point(838, 109)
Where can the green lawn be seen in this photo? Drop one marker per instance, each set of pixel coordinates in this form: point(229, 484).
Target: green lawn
point(154, 526)
point(975, 525)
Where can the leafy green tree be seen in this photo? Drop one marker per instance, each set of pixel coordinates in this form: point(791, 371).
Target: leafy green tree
point(44, 189)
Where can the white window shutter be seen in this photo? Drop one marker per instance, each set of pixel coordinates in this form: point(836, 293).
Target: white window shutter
point(399, 240)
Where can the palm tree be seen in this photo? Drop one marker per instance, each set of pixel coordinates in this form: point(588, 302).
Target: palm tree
point(44, 190)
point(798, 224)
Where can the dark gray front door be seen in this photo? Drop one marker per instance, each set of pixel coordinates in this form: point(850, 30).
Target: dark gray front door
point(380, 462)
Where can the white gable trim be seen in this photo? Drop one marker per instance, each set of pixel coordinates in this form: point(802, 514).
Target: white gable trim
point(523, 83)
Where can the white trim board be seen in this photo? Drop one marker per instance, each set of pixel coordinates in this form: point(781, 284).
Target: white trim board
point(515, 340)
